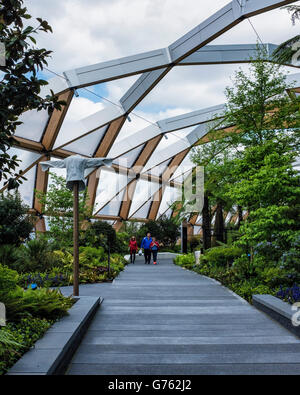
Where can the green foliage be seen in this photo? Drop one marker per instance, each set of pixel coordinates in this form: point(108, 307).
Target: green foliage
point(100, 234)
point(91, 256)
point(169, 231)
point(221, 256)
point(35, 255)
point(41, 303)
point(15, 223)
point(57, 202)
point(258, 105)
point(166, 231)
point(17, 338)
point(152, 227)
point(8, 280)
point(187, 261)
point(20, 85)
point(93, 263)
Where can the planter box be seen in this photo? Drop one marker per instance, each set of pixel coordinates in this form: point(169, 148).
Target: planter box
point(278, 310)
point(52, 354)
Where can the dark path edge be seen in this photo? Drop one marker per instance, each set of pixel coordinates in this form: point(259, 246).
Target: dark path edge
point(53, 353)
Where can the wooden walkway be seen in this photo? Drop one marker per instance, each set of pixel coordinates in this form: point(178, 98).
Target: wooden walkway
point(166, 320)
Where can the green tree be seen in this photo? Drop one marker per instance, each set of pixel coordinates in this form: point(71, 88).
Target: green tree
point(169, 231)
point(15, 223)
point(101, 234)
point(57, 204)
point(216, 158)
point(20, 85)
point(266, 137)
point(166, 231)
point(268, 186)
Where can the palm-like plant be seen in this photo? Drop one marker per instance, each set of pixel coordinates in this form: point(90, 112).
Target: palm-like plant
point(284, 53)
point(7, 340)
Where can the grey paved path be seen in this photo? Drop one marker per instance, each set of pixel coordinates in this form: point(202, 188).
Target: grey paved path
point(166, 320)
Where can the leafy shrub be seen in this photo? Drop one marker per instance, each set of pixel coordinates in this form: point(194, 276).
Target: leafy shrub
point(187, 261)
point(10, 256)
point(41, 303)
point(93, 268)
point(100, 234)
point(91, 256)
point(221, 256)
point(247, 288)
point(17, 338)
point(8, 280)
point(15, 223)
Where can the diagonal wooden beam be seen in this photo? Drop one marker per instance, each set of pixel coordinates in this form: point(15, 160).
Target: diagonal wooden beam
point(56, 120)
point(41, 184)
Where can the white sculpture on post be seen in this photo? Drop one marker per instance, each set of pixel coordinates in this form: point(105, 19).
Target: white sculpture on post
point(76, 165)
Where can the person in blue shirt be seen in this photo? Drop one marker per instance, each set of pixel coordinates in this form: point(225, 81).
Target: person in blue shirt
point(146, 246)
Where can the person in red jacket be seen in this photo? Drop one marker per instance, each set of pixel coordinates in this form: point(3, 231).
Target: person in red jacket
point(133, 247)
point(154, 247)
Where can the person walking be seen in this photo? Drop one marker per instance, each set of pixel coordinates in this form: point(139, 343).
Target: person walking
point(154, 247)
point(133, 247)
point(146, 246)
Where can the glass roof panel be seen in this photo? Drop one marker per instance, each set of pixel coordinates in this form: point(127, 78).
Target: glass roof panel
point(169, 197)
point(27, 158)
point(132, 125)
point(144, 190)
point(127, 160)
point(26, 189)
point(197, 230)
point(73, 127)
point(34, 125)
point(158, 170)
point(112, 208)
point(183, 170)
point(143, 211)
point(87, 145)
point(110, 183)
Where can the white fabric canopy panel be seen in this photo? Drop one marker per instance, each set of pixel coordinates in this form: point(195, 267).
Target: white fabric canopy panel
point(171, 195)
point(87, 145)
point(110, 184)
point(26, 189)
point(144, 190)
point(128, 160)
point(27, 157)
point(143, 211)
point(33, 126)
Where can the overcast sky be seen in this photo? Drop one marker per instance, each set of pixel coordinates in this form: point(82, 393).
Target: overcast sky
point(87, 32)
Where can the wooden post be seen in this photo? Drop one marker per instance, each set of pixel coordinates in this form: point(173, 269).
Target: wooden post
point(76, 239)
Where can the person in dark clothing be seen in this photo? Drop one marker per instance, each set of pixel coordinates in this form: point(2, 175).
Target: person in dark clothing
point(133, 247)
point(154, 247)
point(146, 246)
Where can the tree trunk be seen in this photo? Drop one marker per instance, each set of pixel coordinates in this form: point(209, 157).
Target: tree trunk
point(219, 223)
point(240, 213)
point(206, 224)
